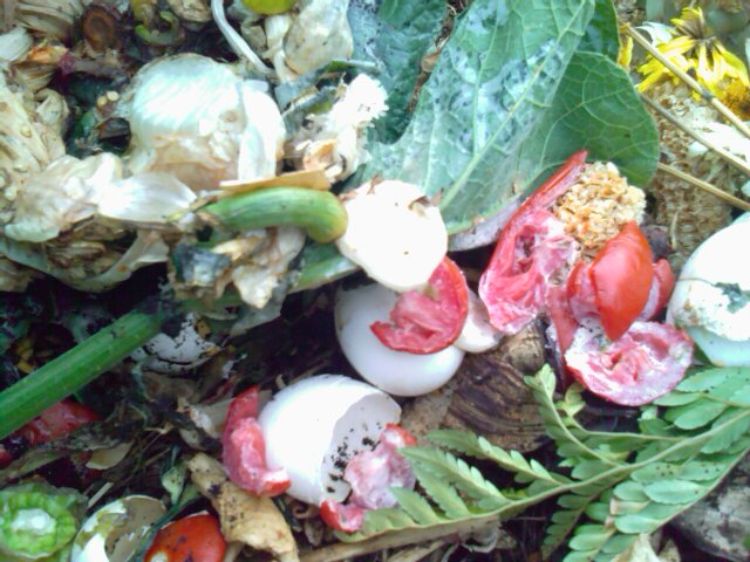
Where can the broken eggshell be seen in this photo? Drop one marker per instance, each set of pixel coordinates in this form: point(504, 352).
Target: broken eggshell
point(113, 533)
point(477, 335)
point(394, 233)
point(174, 355)
point(711, 299)
point(396, 372)
point(312, 428)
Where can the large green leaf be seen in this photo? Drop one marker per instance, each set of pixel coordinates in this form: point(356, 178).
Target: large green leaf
point(595, 107)
point(602, 35)
point(395, 35)
point(492, 84)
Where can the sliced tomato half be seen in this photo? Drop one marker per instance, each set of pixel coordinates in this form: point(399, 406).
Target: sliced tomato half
point(621, 274)
point(531, 250)
point(648, 361)
point(244, 449)
point(430, 320)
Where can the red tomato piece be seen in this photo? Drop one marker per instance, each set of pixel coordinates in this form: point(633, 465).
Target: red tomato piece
point(5, 457)
point(532, 250)
point(191, 539)
point(57, 421)
point(244, 449)
point(561, 316)
point(621, 275)
point(646, 362)
point(664, 276)
point(342, 517)
point(426, 322)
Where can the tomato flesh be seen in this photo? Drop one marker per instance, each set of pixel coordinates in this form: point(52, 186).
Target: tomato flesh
point(646, 362)
point(191, 539)
point(244, 449)
point(532, 252)
point(428, 321)
point(621, 275)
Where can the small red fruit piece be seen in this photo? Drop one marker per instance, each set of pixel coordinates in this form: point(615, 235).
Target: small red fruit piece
point(57, 421)
point(342, 517)
point(428, 321)
point(191, 539)
point(621, 274)
point(244, 449)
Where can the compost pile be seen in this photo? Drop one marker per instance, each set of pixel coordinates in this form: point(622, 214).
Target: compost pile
point(366, 279)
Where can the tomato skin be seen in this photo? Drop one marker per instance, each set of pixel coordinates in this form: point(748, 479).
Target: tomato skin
point(190, 539)
point(347, 518)
point(562, 318)
point(531, 248)
point(244, 449)
point(664, 275)
point(57, 421)
point(426, 323)
point(621, 274)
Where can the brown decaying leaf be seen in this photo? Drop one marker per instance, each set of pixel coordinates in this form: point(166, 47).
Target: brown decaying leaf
point(252, 520)
point(488, 396)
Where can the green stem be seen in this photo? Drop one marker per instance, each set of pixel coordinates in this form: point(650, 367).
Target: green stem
point(77, 367)
point(319, 212)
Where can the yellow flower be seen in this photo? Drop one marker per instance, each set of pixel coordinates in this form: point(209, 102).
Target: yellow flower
point(700, 54)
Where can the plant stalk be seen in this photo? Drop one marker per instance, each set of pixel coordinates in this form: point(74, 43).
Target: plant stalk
point(77, 367)
point(705, 186)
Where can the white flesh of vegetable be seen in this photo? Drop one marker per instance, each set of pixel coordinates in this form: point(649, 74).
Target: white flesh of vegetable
point(394, 233)
point(114, 532)
point(313, 427)
point(711, 299)
point(396, 372)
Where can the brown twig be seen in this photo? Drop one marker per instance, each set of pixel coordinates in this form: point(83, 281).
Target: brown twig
point(705, 186)
point(689, 80)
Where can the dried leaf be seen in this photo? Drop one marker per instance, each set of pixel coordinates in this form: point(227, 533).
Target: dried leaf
point(252, 520)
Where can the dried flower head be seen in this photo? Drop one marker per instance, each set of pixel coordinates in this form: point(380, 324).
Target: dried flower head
point(598, 205)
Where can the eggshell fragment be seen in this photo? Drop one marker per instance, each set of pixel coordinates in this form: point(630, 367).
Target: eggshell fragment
point(313, 427)
point(711, 299)
point(396, 372)
point(394, 233)
point(113, 533)
point(477, 335)
point(187, 350)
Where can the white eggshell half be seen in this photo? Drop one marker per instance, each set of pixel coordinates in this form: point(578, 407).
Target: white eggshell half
point(396, 372)
point(113, 533)
point(711, 299)
point(313, 427)
point(187, 350)
point(394, 233)
point(477, 335)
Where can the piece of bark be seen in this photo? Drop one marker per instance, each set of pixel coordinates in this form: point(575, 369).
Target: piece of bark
point(491, 397)
point(488, 396)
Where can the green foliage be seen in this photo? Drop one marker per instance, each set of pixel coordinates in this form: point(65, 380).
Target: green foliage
point(602, 35)
point(619, 484)
point(396, 36)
